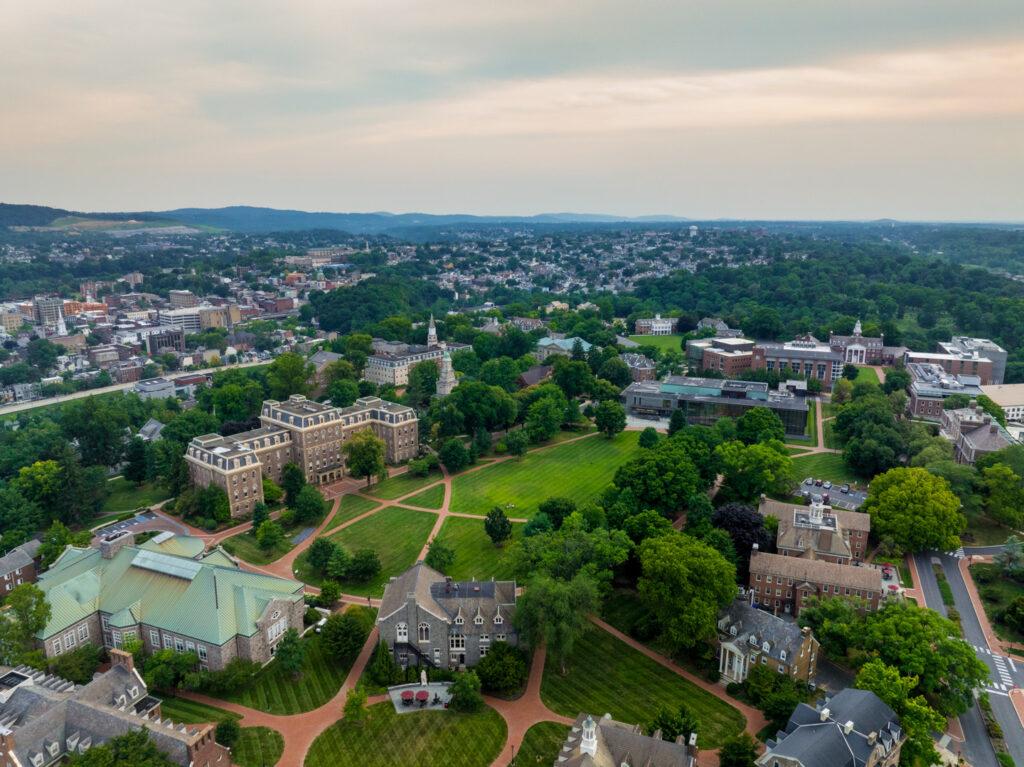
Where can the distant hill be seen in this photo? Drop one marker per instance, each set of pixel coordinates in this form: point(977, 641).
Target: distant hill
point(59, 218)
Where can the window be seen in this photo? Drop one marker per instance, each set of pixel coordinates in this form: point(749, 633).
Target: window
point(478, 620)
point(423, 632)
point(768, 579)
point(190, 646)
point(117, 639)
point(782, 655)
point(202, 652)
point(782, 669)
point(69, 639)
point(457, 642)
point(168, 642)
point(499, 637)
point(154, 638)
point(57, 647)
point(485, 637)
point(437, 655)
point(277, 629)
point(105, 621)
point(459, 620)
point(83, 633)
point(179, 645)
point(483, 651)
point(764, 660)
point(402, 632)
point(498, 620)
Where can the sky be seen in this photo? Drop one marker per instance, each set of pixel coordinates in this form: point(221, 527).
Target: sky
point(773, 109)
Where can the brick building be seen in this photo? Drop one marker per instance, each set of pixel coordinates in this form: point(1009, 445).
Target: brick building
point(931, 385)
point(784, 583)
point(819, 531)
point(300, 431)
point(121, 592)
point(859, 349)
point(641, 368)
point(729, 356)
point(391, 362)
point(804, 356)
point(749, 637)
point(974, 433)
point(18, 566)
point(965, 347)
point(656, 326)
point(954, 364)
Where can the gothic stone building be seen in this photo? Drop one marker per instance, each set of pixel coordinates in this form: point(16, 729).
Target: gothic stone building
point(301, 431)
point(118, 593)
point(430, 620)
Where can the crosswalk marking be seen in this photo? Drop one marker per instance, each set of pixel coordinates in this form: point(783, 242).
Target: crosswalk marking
point(958, 554)
point(1013, 668)
point(992, 691)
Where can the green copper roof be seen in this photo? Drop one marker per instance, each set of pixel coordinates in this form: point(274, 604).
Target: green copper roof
point(203, 600)
point(180, 545)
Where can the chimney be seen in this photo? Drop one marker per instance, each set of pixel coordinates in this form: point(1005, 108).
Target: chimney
point(825, 713)
point(872, 737)
point(447, 584)
point(112, 544)
point(848, 727)
point(656, 735)
point(119, 656)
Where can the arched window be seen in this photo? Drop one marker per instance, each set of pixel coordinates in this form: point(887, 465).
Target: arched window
point(424, 632)
point(402, 632)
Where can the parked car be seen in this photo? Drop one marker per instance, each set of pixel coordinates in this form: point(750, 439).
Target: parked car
point(845, 488)
point(817, 482)
point(809, 481)
point(825, 499)
point(827, 485)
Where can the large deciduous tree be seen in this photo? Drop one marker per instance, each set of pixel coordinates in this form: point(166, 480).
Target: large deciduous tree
point(662, 479)
point(760, 424)
point(917, 718)
point(916, 509)
point(555, 613)
point(750, 470)
point(364, 454)
point(685, 583)
point(289, 374)
point(497, 526)
point(610, 418)
point(1004, 500)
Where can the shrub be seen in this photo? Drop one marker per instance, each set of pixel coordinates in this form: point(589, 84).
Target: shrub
point(504, 669)
point(982, 575)
point(330, 592)
point(311, 616)
point(227, 732)
point(466, 693)
point(287, 518)
point(1005, 759)
point(210, 524)
point(500, 449)
point(733, 688)
point(994, 729)
point(714, 675)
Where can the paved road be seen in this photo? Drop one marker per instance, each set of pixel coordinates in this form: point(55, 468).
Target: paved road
point(15, 407)
point(1005, 673)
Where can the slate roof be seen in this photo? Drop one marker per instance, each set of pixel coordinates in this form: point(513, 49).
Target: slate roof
point(815, 571)
point(321, 359)
point(449, 599)
point(816, 736)
point(18, 557)
point(618, 744)
point(208, 602)
point(150, 430)
point(751, 623)
point(535, 374)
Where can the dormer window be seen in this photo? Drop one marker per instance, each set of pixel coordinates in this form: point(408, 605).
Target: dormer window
point(498, 620)
point(478, 621)
point(765, 646)
point(782, 655)
point(53, 747)
point(459, 620)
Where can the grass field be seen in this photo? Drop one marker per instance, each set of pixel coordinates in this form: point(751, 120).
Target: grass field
point(829, 409)
point(181, 710)
point(631, 687)
point(829, 436)
point(830, 466)
point(257, 747)
point(431, 498)
point(475, 555)
point(401, 485)
point(982, 531)
point(396, 534)
point(276, 692)
point(996, 596)
point(542, 743)
point(350, 507)
point(665, 343)
point(867, 374)
point(124, 496)
point(245, 546)
point(580, 470)
point(422, 738)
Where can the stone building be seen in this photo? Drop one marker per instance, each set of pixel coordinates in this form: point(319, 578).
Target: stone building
point(392, 366)
point(606, 743)
point(120, 592)
point(446, 381)
point(427, 619)
point(749, 637)
point(46, 719)
point(853, 728)
point(309, 434)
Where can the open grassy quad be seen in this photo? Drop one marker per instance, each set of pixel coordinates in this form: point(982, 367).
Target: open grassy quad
point(475, 555)
point(182, 710)
point(982, 531)
point(607, 675)
point(245, 546)
point(830, 466)
point(257, 747)
point(395, 533)
point(542, 743)
point(125, 496)
point(996, 592)
point(276, 692)
point(423, 738)
point(431, 498)
point(403, 484)
point(867, 374)
point(665, 343)
point(579, 470)
point(349, 507)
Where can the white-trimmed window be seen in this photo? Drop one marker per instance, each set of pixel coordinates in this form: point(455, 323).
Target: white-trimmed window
point(83, 633)
point(499, 637)
point(402, 632)
point(459, 620)
point(190, 646)
point(483, 650)
point(69, 639)
point(117, 638)
point(478, 620)
point(457, 642)
point(168, 642)
point(179, 646)
point(58, 648)
point(423, 632)
point(202, 652)
point(154, 638)
point(498, 620)
point(105, 621)
point(277, 629)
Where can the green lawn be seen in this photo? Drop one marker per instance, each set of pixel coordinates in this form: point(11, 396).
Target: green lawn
point(276, 692)
point(982, 531)
point(996, 596)
point(422, 738)
point(245, 546)
point(401, 485)
point(867, 374)
point(829, 436)
point(830, 466)
point(184, 711)
point(396, 534)
point(607, 676)
point(579, 470)
point(542, 743)
point(350, 507)
point(475, 555)
point(257, 747)
point(829, 409)
point(665, 343)
point(125, 496)
point(431, 498)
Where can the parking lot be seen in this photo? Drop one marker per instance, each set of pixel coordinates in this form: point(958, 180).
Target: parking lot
point(832, 495)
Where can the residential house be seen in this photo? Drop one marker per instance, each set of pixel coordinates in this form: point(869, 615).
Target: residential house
point(428, 619)
point(748, 637)
point(549, 346)
point(120, 592)
point(641, 368)
point(605, 742)
point(853, 728)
